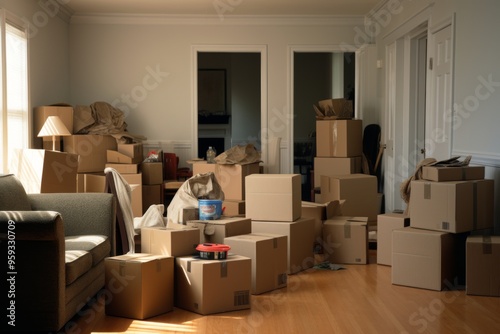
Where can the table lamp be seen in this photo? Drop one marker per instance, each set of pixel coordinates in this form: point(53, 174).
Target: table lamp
point(53, 127)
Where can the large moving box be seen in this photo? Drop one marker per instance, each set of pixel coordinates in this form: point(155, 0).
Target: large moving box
point(141, 285)
point(300, 234)
point(339, 138)
point(42, 171)
point(483, 266)
point(423, 258)
point(213, 286)
point(455, 206)
point(269, 259)
point(335, 166)
point(346, 240)
point(273, 197)
point(92, 150)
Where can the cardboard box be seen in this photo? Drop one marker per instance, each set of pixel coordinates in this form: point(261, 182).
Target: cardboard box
point(269, 259)
point(454, 206)
point(442, 174)
point(91, 149)
point(300, 234)
point(339, 138)
point(423, 258)
point(386, 223)
point(133, 178)
point(346, 240)
point(142, 285)
point(358, 190)
point(124, 168)
point(42, 171)
point(231, 178)
point(273, 197)
point(334, 108)
point(320, 212)
point(214, 231)
point(113, 156)
point(133, 151)
point(335, 166)
point(152, 172)
point(483, 265)
point(233, 208)
point(151, 195)
point(213, 286)
point(40, 115)
point(169, 241)
point(94, 183)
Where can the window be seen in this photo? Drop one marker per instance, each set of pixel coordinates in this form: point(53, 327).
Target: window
point(14, 96)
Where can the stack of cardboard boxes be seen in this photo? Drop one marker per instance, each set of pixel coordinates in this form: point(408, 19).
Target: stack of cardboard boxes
point(446, 206)
point(273, 203)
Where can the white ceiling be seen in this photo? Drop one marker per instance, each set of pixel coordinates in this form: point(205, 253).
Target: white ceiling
point(224, 7)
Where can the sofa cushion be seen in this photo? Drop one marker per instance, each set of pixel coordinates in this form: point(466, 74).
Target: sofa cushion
point(97, 245)
point(78, 262)
point(13, 197)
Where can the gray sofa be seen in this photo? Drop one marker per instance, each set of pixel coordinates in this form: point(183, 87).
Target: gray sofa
point(57, 244)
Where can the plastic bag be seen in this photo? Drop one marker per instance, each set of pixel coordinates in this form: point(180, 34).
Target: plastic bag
point(199, 186)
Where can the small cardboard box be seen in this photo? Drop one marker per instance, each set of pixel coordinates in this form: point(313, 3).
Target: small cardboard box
point(339, 138)
point(423, 258)
point(269, 259)
point(320, 212)
point(300, 234)
point(142, 285)
point(483, 265)
point(335, 166)
point(358, 190)
point(453, 206)
point(42, 171)
point(346, 240)
point(231, 178)
point(214, 231)
point(169, 241)
point(91, 149)
point(152, 172)
point(233, 208)
point(133, 150)
point(94, 183)
point(40, 115)
point(213, 286)
point(124, 168)
point(273, 197)
point(386, 223)
point(442, 174)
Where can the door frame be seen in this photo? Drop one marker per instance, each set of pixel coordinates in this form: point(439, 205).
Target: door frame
point(262, 50)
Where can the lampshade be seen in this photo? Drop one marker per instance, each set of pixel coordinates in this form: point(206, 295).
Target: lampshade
point(53, 127)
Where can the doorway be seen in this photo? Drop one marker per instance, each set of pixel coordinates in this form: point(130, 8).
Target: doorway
point(237, 73)
point(316, 76)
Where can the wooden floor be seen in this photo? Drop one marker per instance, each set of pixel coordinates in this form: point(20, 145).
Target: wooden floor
point(358, 299)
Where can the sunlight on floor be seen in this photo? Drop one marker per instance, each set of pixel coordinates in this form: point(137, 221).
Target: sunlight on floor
point(141, 326)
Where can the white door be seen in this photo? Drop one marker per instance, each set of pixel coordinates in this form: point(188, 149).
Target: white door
point(438, 118)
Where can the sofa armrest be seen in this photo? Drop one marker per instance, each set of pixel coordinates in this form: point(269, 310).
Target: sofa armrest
point(82, 213)
point(34, 240)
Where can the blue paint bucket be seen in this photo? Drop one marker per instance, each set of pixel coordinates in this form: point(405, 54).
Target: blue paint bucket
point(209, 209)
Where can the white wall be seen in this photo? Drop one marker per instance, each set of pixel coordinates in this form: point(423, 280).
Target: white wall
point(112, 62)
